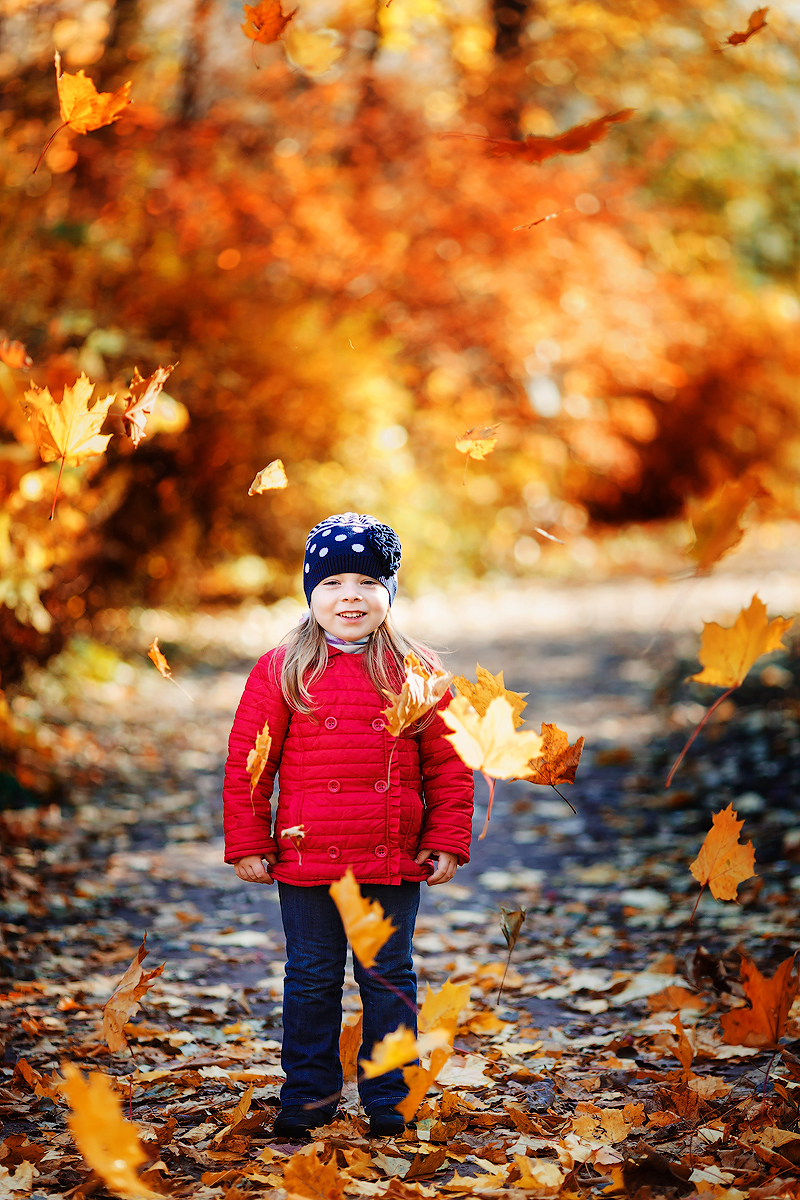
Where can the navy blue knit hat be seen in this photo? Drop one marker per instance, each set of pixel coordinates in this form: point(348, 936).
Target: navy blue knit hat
point(351, 542)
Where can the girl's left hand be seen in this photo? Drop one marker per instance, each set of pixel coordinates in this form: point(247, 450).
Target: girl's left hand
point(446, 868)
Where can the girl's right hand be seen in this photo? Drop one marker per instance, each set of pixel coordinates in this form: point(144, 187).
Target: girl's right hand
point(254, 868)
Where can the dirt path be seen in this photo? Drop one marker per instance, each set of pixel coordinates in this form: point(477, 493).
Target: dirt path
point(136, 846)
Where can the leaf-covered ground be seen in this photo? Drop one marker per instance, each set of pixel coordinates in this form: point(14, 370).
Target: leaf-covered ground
point(572, 1085)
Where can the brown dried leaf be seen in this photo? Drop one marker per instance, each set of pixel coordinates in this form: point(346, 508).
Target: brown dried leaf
point(755, 22)
point(142, 401)
point(123, 1003)
point(559, 761)
point(571, 141)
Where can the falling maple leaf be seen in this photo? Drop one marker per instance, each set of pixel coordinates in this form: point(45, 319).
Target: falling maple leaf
point(558, 762)
point(442, 1009)
point(536, 149)
point(365, 926)
point(271, 479)
point(109, 1144)
point(314, 51)
point(421, 690)
point(723, 863)
point(159, 660)
point(478, 442)
point(82, 107)
point(305, 1175)
point(265, 22)
point(67, 429)
point(418, 1080)
point(295, 832)
point(142, 401)
point(489, 743)
point(684, 1046)
point(123, 1003)
point(349, 1045)
point(541, 220)
point(764, 1022)
point(755, 22)
point(510, 924)
point(728, 652)
point(14, 354)
point(400, 1047)
point(486, 689)
point(715, 522)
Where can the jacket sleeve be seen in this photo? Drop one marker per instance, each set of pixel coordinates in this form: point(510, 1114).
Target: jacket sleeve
point(448, 788)
point(248, 822)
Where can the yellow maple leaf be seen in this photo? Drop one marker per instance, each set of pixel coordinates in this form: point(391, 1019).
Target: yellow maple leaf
point(488, 686)
point(489, 743)
point(271, 479)
point(478, 442)
point(715, 522)
point(109, 1144)
point(728, 653)
point(541, 1175)
point(314, 51)
point(159, 661)
point(142, 401)
point(722, 862)
point(421, 690)
point(83, 108)
point(365, 926)
point(401, 1047)
point(67, 429)
point(442, 1009)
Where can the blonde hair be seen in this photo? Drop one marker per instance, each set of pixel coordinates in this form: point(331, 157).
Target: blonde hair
point(306, 657)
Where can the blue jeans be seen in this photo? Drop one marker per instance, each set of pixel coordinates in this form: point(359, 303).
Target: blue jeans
point(316, 949)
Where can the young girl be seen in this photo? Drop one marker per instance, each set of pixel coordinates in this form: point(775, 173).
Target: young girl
point(322, 694)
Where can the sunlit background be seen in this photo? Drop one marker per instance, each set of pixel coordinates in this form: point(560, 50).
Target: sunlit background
point(348, 289)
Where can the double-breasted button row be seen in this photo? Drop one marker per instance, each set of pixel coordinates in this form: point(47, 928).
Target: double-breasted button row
point(378, 725)
point(380, 785)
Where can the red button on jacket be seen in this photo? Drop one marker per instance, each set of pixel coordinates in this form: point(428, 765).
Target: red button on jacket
point(428, 801)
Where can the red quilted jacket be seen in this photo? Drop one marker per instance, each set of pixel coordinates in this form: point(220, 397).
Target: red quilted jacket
point(334, 768)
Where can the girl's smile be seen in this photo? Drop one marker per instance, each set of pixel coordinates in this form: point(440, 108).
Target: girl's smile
point(350, 606)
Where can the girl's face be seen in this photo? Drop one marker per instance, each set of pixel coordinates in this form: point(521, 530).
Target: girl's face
point(350, 606)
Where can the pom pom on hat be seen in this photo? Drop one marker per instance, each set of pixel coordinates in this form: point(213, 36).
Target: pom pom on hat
point(351, 542)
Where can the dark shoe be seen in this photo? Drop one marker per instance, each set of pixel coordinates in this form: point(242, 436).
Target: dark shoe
point(385, 1122)
point(294, 1121)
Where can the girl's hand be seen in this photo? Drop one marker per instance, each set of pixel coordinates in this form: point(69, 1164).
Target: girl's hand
point(253, 869)
point(446, 869)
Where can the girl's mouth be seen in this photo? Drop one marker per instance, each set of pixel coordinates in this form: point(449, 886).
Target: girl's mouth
point(351, 616)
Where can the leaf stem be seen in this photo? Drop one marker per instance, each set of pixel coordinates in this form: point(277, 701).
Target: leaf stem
point(505, 972)
point(58, 484)
point(491, 782)
point(564, 798)
point(697, 901)
point(680, 757)
point(48, 144)
point(385, 983)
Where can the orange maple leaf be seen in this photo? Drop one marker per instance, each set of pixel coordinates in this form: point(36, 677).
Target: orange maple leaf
point(159, 660)
point(82, 107)
point(265, 22)
point(723, 863)
point(365, 926)
point(349, 1045)
point(142, 401)
point(558, 762)
point(755, 22)
point(715, 522)
point(764, 1022)
point(418, 1080)
point(305, 1175)
point(421, 690)
point(123, 1002)
point(571, 141)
